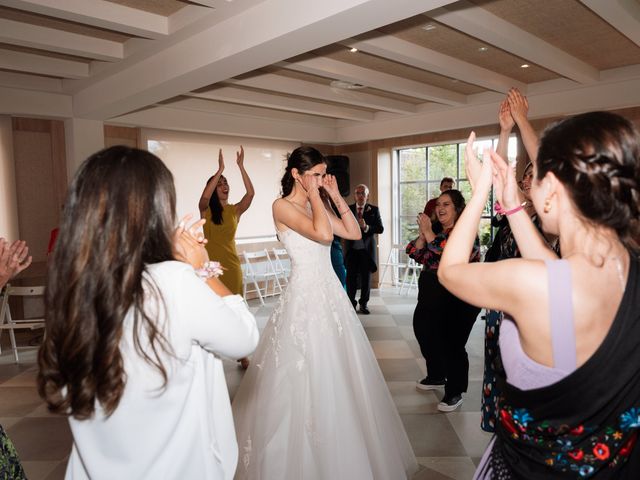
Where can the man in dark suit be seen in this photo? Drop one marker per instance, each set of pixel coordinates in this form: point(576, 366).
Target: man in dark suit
point(361, 254)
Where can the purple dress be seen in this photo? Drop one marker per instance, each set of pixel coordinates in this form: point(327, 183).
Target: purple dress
point(522, 371)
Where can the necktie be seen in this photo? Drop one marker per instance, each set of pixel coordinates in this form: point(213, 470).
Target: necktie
point(359, 212)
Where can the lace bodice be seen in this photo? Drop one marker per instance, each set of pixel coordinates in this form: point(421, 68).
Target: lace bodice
point(310, 260)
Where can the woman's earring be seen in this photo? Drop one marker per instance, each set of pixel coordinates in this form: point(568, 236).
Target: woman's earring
point(547, 205)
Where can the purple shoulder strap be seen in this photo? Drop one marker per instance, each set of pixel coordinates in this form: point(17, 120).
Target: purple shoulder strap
point(563, 332)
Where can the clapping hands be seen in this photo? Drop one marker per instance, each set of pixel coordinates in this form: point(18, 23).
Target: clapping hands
point(189, 242)
point(14, 258)
point(220, 161)
point(478, 172)
point(240, 157)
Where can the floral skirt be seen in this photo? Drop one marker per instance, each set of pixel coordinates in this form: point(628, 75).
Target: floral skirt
point(10, 468)
point(492, 366)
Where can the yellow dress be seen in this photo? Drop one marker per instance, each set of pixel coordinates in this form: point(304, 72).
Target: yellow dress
point(221, 246)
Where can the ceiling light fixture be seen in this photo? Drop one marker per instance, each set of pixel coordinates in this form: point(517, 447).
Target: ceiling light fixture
point(524, 65)
point(483, 49)
point(353, 50)
point(428, 27)
point(346, 85)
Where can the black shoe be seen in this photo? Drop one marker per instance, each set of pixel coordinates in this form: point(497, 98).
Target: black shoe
point(428, 384)
point(364, 310)
point(449, 404)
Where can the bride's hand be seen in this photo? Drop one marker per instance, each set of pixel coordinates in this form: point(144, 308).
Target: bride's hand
point(189, 241)
point(309, 184)
point(330, 185)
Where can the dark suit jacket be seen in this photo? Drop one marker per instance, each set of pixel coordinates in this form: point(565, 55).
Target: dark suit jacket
point(371, 216)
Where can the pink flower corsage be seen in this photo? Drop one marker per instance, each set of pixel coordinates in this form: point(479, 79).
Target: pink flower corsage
point(209, 269)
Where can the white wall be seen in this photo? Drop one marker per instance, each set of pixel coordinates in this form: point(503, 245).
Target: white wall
point(193, 158)
point(8, 199)
point(83, 138)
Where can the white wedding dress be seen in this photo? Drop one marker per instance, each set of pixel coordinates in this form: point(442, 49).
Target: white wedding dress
point(314, 405)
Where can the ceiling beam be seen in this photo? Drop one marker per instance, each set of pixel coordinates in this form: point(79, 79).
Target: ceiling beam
point(623, 15)
point(487, 27)
point(17, 101)
point(213, 106)
point(98, 13)
point(620, 92)
point(401, 51)
point(52, 39)
point(211, 122)
point(30, 82)
point(207, 3)
point(327, 67)
point(41, 65)
point(219, 50)
point(278, 102)
point(293, 86)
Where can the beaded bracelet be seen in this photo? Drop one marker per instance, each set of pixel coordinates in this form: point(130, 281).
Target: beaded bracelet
point(209, 269)
point(500, 210)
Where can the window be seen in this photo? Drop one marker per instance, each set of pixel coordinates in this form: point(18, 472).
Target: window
point(419, 171)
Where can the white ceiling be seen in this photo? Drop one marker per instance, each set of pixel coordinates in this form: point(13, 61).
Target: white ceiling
point(263, 68)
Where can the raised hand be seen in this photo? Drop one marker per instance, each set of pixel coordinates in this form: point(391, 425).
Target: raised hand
point(505, 186)
point(504, 116)
point(518, 104)
point(189, 241)
point(240, 157)
point(220, 161)
point(479, 173)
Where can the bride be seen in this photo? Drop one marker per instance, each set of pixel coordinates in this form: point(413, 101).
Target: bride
point(314, 405)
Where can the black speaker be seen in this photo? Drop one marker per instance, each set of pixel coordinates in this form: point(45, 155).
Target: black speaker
point(338, 166)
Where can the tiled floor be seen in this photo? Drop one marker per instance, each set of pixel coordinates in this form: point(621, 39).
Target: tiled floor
point(447, 445)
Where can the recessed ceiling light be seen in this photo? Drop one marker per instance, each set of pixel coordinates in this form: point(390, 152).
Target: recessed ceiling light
point(483, 49)
point(353, 50)
point(524, 65)
point(429, 26)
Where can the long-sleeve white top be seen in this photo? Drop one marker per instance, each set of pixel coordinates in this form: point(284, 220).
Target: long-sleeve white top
point(183, 430)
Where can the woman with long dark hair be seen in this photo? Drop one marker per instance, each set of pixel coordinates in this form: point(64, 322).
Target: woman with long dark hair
point(222, 220)
point(570, 404)
point(442, 322)
point(132, 329)
point(314, 404)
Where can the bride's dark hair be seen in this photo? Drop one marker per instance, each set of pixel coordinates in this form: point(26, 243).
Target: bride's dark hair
point(118, 218)
point(302, 159)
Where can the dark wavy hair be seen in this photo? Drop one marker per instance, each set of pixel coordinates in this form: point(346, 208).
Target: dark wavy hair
point(457, 199)
point(596, 156)
point(302, 159)
point(214, 204)
point(118, 217)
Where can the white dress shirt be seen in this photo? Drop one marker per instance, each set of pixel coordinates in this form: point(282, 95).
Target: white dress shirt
point(184, 430)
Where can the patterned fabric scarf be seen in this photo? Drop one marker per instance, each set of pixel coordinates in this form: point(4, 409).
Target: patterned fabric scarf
point(587, 424)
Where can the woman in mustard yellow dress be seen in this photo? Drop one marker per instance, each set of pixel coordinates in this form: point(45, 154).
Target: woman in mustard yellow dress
point(222, 221)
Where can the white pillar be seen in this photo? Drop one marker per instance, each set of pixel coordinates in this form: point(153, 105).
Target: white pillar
point(82, 138)
point(8, 198)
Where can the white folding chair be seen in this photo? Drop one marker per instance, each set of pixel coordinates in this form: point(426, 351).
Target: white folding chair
point(393, 261)
point(257, 268)
point(411, 274)
point(7, 322)
point(281, 264)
